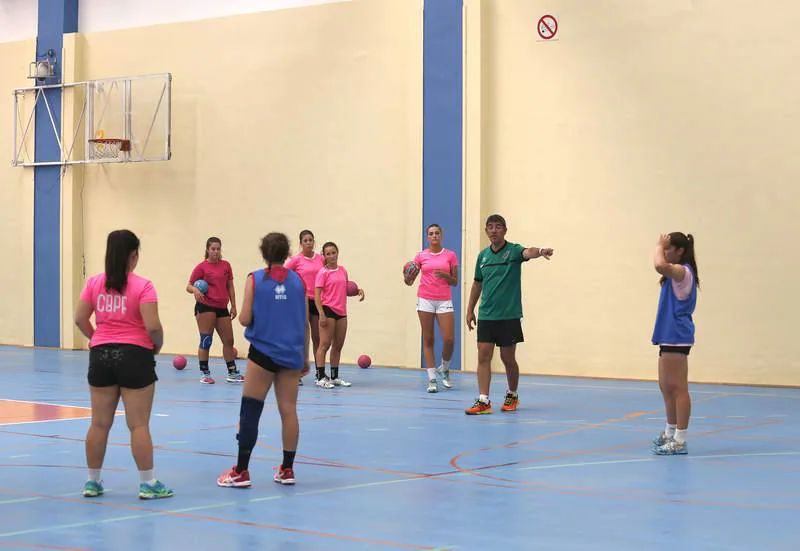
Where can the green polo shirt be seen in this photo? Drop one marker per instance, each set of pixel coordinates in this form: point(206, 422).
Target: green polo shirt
point(500, 275)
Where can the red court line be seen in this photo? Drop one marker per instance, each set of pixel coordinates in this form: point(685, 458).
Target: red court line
point(607, 449)
point(512, 484)
point(42, 546)
point(81, 467)
point(192, 516)
point(454, 461)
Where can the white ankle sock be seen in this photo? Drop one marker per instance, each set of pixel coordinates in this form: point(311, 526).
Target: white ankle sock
point(680, 435)
point(146, 477)
point(669, 430)
point(94, 475)
point(446, 365)
point(431, 373)
point(484, 398)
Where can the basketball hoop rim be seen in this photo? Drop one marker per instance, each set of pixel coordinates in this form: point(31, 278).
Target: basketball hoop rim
point(124, 145)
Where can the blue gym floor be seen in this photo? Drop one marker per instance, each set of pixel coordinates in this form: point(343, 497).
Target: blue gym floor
point(384, 465)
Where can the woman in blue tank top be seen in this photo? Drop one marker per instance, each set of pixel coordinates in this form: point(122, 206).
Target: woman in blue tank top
point(275, 315)
point(674, 335)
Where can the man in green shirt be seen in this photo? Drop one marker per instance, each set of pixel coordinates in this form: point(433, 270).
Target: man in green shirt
point(498, 282)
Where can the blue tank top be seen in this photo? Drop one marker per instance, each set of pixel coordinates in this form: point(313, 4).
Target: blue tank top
point(278, 328)
point(674, 324)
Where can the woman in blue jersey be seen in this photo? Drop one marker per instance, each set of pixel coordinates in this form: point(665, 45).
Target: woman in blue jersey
point(674, 335)
point(275, 314)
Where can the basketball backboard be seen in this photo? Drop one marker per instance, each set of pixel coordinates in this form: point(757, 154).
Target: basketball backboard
point(97, 116)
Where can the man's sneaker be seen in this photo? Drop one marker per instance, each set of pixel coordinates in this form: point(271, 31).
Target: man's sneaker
point(661, 439)
point(338, 381)
point(93, 489)
point(510, 403)
point(325, 382)
point(206, 378)
point(672, 448)
point(284, 476)
point(232, 479)
point(154, 491)
point(445, 375)
point(234, 376)
point(432, 386)
point(479, 408)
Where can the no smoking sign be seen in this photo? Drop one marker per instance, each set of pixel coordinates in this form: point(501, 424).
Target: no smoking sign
point(547, 27)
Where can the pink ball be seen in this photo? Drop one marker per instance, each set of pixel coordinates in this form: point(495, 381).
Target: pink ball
point(364, 361)
point(352, 288)
point(179, 362)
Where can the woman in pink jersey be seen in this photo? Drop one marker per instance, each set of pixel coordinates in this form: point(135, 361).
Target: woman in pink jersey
point(122, 363)
point(307, 265)
point(439, 267)
point(211, 309)
point(330, 295)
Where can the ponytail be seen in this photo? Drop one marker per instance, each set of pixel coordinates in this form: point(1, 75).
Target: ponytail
point(687, 243)
point(274, 249)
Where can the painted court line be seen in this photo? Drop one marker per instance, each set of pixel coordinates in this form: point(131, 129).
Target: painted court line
point(209, 506)
point(39, 498)
point(338, 488)
point(46, 404)
point(723, 389)
point(648, 459)
point(89, 416)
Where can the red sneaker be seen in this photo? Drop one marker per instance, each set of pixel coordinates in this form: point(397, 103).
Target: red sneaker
point(510, 403)
point(284, 476)
point(232, 479)
point(479, 408)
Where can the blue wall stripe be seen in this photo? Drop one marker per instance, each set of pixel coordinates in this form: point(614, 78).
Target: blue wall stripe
point(442, 131)
point(56, 17)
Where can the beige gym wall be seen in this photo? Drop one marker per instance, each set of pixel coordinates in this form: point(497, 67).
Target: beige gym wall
point(641, 118)
point(16, 202)
point(283, 120)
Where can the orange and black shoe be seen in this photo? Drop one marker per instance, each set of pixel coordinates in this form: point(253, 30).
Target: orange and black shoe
point(479, 408)
point(510, 403)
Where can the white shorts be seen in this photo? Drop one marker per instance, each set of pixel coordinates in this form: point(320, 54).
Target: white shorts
point(434, 306)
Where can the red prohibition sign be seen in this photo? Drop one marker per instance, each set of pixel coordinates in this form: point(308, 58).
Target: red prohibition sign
point(547, 27)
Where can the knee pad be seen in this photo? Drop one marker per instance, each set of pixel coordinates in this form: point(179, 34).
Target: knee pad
point(249, 416)
point(205, 340)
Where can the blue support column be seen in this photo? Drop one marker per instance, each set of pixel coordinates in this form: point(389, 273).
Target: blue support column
point(442, 137)
point(56, 17)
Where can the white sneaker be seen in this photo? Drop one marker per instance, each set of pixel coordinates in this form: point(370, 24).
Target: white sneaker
point(432, 386)
point(341, 382)
point(445, 375)
point(324, 383)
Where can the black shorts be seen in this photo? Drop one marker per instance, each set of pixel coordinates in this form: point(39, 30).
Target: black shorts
point(265, 362)
point(331, 314)
point(668, 349)
point(203, 308)
point(126, 365)
point(500, 332)
point(312, 308)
